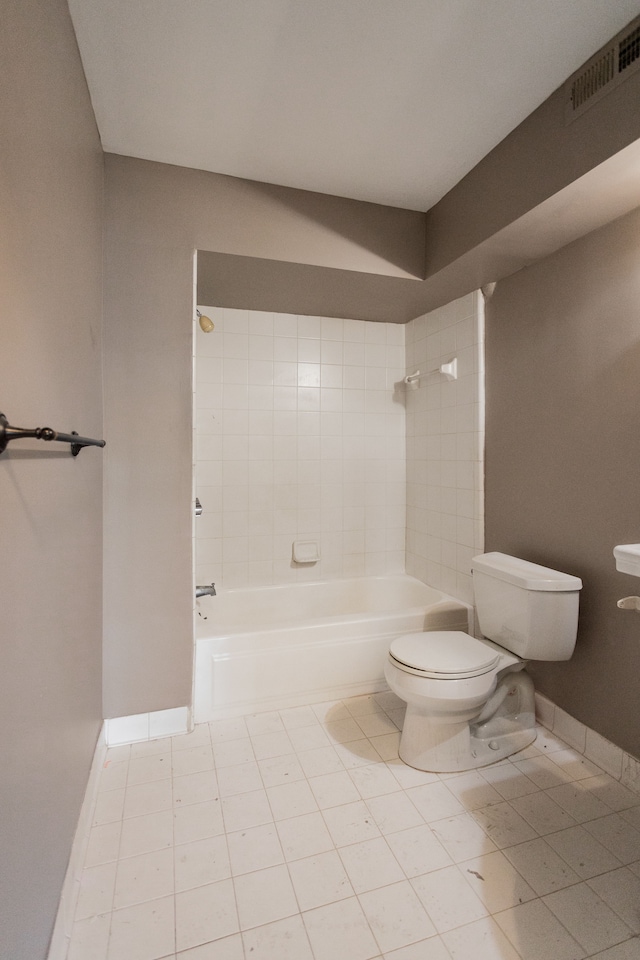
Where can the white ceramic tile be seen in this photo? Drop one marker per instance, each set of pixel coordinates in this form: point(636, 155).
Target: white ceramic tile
point(282, 940)
point(228, 948)
point(542, 868)
point(620, 889)
point(205, 913)
point(103, 843)
point(264, 723)
point(291, 800)
point(96, 890)
point(448, 898)
point(193, 760)
point(537, 934)
point(373, 780)
point(197, 821)
point(543, 772)
point(321, 761)
point(616, 835)
point(483, 940)
point(143, 932)
point(632, 816)
point(114, 775)
point(462, 837)
point(334, 789)
point(473, 791)
point(503, 825)
point(242, 778)
point(127, 729)
point(154, 831)
point(266, 745)
point(587, 918)
point(604, 754)
point(145, 877)
point(148, 769)
point(308, 738)
point(371, 864)
point(201, 862)
point(254, 849)
point(418, 850)
point(264, 896)
point(396, 916)
point(543, 813)
point(146, 798)
point(614, 794)
point(109, 807)
point(340, 930)
point(582, 852)
point(234, 728)
point(574, 765)
point(433, 948)
point(200, 736)
point(496, 882)
point(246, 810)
point(304, 836)
point(357, 753)
point(90, 938)
point(350, 823)
point(278, 770)
point(194, 788)
point(393, 812)
point(168, 723)
point(319, 880)
point(579, 801)
point(628, 950)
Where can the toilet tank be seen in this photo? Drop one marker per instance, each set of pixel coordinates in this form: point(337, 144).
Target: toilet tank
point(528, 609)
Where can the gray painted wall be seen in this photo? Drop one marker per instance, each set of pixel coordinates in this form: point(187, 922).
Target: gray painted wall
point(51, 544)
point(563, 454)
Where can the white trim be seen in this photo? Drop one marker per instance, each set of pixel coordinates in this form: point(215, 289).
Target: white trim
point(60, 939)
point(147, 726)
point(622, 766)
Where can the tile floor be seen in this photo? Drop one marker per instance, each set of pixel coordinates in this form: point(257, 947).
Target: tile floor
point(300, 835)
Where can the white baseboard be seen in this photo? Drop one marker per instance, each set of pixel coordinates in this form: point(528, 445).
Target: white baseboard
point(147, 726)
point(613, 760)
point(60, 939)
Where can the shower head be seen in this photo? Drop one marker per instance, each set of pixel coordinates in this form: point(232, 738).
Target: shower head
point(206, 323)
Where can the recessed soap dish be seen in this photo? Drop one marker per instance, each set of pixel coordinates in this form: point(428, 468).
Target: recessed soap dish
point(306, 551)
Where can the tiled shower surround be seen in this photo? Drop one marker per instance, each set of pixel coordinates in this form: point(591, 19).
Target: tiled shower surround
point(445, 446)
point(300, 436)
point(305, 431)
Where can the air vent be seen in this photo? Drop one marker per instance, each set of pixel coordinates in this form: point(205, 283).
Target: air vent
point(605, 71)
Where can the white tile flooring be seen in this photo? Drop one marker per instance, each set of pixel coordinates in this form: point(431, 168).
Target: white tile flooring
point(300, 835)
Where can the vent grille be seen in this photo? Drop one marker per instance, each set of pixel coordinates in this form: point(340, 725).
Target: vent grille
point(629, 50)
point(604, 72)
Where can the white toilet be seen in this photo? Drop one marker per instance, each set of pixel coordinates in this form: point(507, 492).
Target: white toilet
point(469, 701)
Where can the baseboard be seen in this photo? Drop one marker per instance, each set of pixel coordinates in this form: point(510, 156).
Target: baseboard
point(60, 939)
point(147, 726)
point(620, 765)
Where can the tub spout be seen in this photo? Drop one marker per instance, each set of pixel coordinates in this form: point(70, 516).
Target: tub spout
point(207, 590)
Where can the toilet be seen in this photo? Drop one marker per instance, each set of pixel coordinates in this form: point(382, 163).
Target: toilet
point(469, 701)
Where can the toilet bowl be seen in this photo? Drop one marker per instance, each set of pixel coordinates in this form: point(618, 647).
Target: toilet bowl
point(469, 700)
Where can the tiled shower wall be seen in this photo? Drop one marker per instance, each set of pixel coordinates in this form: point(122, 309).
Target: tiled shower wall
point(445, 446)
point(300, 435)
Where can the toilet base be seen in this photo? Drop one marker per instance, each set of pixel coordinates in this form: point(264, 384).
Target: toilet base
point(444, 747)
point(452, 748)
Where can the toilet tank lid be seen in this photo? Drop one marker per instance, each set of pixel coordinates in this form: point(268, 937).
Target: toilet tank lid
point(522, 573)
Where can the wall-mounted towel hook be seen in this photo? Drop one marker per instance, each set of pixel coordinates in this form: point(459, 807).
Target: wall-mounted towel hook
point(8, 433)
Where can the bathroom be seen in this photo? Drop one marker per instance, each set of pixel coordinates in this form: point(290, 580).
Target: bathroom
point(562, 458)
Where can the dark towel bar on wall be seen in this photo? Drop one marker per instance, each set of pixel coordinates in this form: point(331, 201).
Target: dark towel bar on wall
point(8, 433)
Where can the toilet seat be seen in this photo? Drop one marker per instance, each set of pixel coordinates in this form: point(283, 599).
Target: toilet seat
point(443, 655)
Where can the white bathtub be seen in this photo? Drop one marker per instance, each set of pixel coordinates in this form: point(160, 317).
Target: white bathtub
point(269, 648)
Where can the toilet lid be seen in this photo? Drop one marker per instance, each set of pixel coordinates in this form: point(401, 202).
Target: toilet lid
point(443, 654)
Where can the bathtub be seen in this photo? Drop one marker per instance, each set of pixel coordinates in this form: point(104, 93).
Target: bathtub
point(268, 648)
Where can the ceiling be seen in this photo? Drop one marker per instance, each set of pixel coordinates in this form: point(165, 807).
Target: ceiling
point(391, 101)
